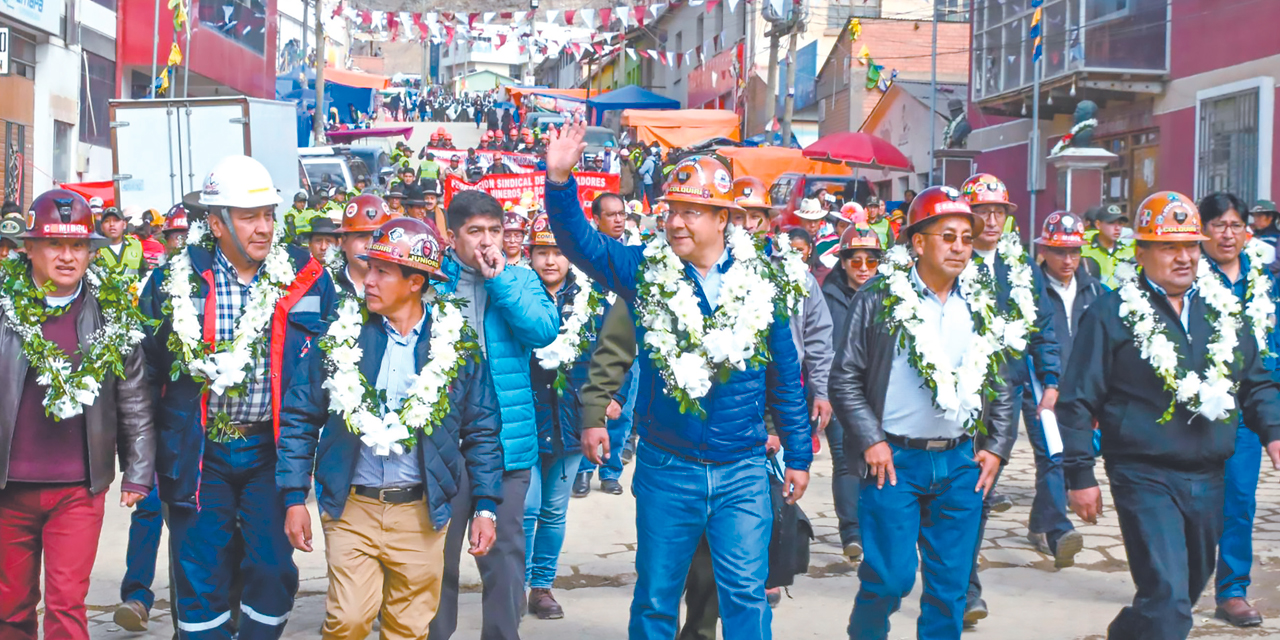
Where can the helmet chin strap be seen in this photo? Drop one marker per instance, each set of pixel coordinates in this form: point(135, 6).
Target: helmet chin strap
point(225, 215)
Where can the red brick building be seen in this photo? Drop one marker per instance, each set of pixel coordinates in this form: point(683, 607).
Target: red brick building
point(1186, 93)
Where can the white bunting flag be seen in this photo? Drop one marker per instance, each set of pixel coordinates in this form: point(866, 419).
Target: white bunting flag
point(488, 16)
point(552, 14)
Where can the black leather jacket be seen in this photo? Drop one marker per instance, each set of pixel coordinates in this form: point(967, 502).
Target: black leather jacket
point(860, 380)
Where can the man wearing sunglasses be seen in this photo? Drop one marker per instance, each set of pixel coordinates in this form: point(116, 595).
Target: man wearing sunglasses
point(989, 199)
point(924, 470)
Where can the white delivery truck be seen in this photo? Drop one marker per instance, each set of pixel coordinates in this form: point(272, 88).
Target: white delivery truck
point(163, 149)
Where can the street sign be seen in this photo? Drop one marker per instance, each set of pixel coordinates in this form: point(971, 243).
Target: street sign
point(4, 51)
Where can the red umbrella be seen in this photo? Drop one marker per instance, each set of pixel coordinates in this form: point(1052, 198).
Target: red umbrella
point(105, 190)
point(858, 149)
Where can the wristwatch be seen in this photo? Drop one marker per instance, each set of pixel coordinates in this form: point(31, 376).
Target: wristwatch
point(485, 513)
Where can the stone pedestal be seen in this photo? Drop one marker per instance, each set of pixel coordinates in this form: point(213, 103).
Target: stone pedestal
point(953, 166)
point(1079, 178)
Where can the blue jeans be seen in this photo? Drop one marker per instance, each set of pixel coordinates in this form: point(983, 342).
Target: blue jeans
point(237, 484)
point(619, 431)
point(677, 502)
point(934, 504)
point(844, 487)
point(140, 557)
point(1049, 507)
point(546, 506)
point(1235, 549)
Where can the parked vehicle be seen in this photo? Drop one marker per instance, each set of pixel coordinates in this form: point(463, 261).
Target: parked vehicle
point(790, 188)
point(336, 166)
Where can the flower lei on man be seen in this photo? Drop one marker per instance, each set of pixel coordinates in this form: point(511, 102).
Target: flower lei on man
point(1259, 306)
point(222, 367)
point(69, 391)
point(1211, 393)
point(688, 348)
point(958, 392)
point(574, 337)
point(1013, 327)
point(351, 396)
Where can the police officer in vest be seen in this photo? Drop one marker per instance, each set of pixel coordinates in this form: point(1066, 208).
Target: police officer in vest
point(122, 252)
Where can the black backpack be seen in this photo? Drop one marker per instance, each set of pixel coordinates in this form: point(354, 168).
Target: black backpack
point(789, 545)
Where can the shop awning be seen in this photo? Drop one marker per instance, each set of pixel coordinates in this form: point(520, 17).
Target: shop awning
point(357, 79)
point(681, 127)
point(767, 163)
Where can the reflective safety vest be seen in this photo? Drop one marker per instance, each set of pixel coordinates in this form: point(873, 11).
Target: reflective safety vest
point(885, 232)
point(429, 169)
point(130, 260)
point(1107, 260)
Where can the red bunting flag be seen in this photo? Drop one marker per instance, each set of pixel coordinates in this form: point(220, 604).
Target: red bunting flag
point(568, 17)
point(638, 13)
point(502, 40)
point(711, 5)
point(366, 18)
point(606, 16)
point(505, 15)
point(471, 20)
point(599, 48)
point(393, 26)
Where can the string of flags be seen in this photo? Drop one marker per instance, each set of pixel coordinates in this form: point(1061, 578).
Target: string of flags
point(876, 76)
point(161, 83)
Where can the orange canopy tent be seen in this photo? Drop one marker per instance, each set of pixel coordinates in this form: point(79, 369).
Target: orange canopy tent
point(767, 163)
point(357, 79)
point(681, 127)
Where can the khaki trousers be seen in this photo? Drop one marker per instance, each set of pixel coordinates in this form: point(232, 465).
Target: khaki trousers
point(382, 558)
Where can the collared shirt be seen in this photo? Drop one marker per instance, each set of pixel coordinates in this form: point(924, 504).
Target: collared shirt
point(711, 282)
point(356, 285)
point(398, 363)
point(909, 410)
point(1185, 315)
point(54, 302)
point(254, 405)
point(1066, 291)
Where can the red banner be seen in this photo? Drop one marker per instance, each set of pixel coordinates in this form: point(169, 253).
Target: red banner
point(507, 187)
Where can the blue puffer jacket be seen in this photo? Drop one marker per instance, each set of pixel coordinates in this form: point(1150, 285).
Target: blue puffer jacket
point(296, 326)
point(467, 436)
point(734, 429)
point(519, 317)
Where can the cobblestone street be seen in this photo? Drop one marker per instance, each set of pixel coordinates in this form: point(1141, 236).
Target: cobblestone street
point(1027, 598)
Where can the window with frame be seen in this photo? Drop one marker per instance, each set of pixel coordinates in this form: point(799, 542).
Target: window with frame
point(1228, 145)
point(840, 11)
point(97, 86)
point(61, 151)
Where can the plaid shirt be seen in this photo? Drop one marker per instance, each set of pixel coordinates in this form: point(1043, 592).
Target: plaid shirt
point(254, 405)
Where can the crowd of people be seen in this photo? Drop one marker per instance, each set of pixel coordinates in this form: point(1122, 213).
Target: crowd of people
point(440, 377)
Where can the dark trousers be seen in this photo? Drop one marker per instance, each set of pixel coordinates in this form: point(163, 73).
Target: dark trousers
point(975, 584)
point(702, 606)
point(58, 524)
point(1049, 507)
point(844, 487)
point(145, 525)
point(238, 498)
point(501, 571)
point(1171, 522)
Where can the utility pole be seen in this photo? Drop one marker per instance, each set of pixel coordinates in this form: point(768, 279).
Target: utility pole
point(318, 124)
point(788, 106)
point(933, 96)
point(771, 104)
point(528, 48)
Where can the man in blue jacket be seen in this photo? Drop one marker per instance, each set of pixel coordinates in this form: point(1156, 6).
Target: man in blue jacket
point(701, 470)
point(512, 315)
point(219, 413)
point(384, 512)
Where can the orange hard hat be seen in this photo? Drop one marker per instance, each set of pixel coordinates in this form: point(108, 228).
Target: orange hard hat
point(408, 242)
point(750, 192)
point(1168, 216)
point(860, 236)
point(540, 233)
point(366, 212)
point(701, 179)
point(1062, 229)
point(985, 188)
point(936, 202)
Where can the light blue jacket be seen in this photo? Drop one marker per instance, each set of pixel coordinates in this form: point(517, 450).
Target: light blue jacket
point(519, 317)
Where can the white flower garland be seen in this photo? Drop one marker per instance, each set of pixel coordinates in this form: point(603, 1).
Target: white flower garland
point(427, 403)
point(958, 392)
point(1014, 326)
point(1066, 140)
point(689, 348)
point(67, 392)
point(1211, 394)
point(1259, 307)
point(573, 338)
point(222, 368)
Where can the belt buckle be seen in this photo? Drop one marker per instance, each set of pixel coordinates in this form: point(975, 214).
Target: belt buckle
point(382, 494)
point(936, 445)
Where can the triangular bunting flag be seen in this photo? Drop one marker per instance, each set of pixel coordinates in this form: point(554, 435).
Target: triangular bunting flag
point(587, 17)
point(733, 5)
point(519, 16)
point(568, 17)
point(624, 17)
point(599, 48)
point(502, 40)
point(654, 54)
point(505, 15)
point(671, 59)
point(656, 8)
point(487, 16)
point(471, 19)
point(696, 3)
point(864, 55)
point(606, 18)
point(631, 52)
point(552, 14)
point(711, 5)
point(366, 18)
point(638, 14)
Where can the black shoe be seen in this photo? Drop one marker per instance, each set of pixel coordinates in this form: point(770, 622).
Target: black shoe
point(612, 487)
point(998, 502)
point(582, 485)
point(974, 610)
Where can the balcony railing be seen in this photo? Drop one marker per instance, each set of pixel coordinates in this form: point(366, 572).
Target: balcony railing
point(1105, 36)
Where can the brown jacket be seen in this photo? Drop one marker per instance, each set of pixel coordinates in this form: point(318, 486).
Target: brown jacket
point(120, 420)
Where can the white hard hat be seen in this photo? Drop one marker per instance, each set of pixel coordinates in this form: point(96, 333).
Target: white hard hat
point(241, 182)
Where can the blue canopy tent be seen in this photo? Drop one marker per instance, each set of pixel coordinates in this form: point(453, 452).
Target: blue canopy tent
point(628, 97)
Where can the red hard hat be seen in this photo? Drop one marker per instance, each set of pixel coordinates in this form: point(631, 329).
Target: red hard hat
point(512, 221)
point(540, 234)
point(366, 212)
point(176, 219)
point(408, 242)
point(985, 188)
point(498, 134)
point(60, 213)
point(1062, 229)
point(936, 202)
point(441, 131)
